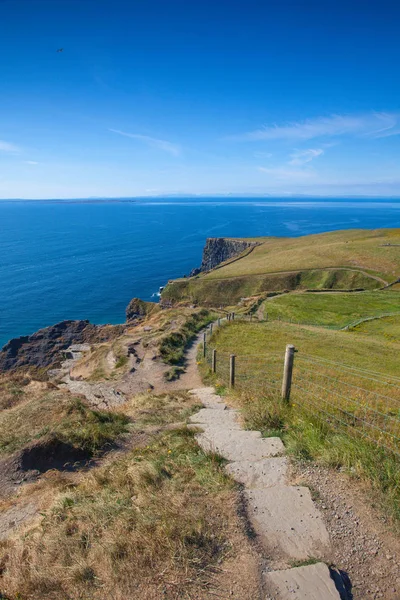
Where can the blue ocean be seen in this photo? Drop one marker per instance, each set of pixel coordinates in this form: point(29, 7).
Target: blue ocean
point(87, 259)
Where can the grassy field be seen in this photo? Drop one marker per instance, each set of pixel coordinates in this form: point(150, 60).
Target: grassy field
point(154, 522)
point(345, 400)
point(363, 250)
point(332, 309)
point(340, 260)
point(229, 290)
point(386, 329)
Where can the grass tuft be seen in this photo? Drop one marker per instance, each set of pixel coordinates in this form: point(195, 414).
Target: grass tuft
point(151, 524)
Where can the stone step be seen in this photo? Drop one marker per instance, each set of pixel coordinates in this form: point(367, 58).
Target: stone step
point(237, 445)
point(260, 474)
point(216, 416)
point(311, 582)
point(290, 526)
point(208, 398)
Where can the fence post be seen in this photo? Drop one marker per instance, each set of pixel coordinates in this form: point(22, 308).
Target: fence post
point(233, 316)
point(211, 328)
point(232, 371)
point(219, 322)
point(214, 361)
point(204, 344)
point(288, 372)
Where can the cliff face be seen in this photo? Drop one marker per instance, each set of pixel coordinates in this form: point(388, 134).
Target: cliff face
point(42, 349)
point(218, 250)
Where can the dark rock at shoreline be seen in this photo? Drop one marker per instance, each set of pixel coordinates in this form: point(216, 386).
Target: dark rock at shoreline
point(43, 348)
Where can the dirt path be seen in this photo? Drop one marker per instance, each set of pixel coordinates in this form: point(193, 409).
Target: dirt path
point(288, 525)
point(363, 543)
point(292, 272)
point(146, 372)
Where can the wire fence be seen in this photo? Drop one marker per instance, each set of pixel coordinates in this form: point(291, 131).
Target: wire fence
point(361, 402)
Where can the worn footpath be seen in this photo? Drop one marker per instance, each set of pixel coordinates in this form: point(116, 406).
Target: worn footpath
point(294, 538)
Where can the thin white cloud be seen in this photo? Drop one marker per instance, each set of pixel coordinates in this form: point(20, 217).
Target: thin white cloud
point(31, 162)
point(370, 124)
point(7, 147)
point(287, 174)
point(301, 157)
point(164, 145)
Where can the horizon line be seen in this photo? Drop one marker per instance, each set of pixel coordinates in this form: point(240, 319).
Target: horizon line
point(337, 197)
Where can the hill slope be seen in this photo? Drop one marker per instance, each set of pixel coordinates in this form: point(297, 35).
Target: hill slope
point(339, 260)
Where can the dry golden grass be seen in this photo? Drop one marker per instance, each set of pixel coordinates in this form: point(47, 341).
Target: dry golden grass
point(365, 250)
point(149, 525)
point(57, 415)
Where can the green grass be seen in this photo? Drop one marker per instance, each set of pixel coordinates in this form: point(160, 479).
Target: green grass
point(172, 346)
point(155, 523)
point(173, 373)
point(331, 404)
point(386, 329)
point(227, 291)
point(361, 250)
point(121, 362)
point(333, 310)
point(58, 416)
point(339, 260)
point(267, 338)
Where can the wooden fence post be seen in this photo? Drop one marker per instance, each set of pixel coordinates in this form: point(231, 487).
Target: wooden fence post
point(233, 316)
point(204, 344)
point(211, 328)
point(288, 372)
point(214, 361)
point(219, 322)
point(232, 371)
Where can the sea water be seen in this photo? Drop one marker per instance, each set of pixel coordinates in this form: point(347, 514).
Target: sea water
point(86, 259)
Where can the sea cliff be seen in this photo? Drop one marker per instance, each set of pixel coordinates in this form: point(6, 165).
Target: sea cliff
point(218, 250)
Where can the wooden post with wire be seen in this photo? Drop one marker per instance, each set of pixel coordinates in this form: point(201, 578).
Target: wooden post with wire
point(232, 371)
point(288, 372)
point(204, 344)
point(214, 361)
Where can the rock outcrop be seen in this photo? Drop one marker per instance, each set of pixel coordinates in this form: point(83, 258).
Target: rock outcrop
point(43, 348)
point(138, 309)
point(218, 250)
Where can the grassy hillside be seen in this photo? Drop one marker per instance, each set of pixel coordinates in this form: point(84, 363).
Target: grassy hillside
point(332, 309)
point(264, 339)
point(359, 249)
point(57, 418)
point(386, 329)
point(163, 507)
point(344, 409)
point(354, 259)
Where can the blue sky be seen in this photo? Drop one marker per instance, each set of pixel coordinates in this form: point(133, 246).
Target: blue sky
point(200, 97)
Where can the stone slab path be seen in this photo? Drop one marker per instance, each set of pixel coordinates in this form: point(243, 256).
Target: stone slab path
point(288, 524)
